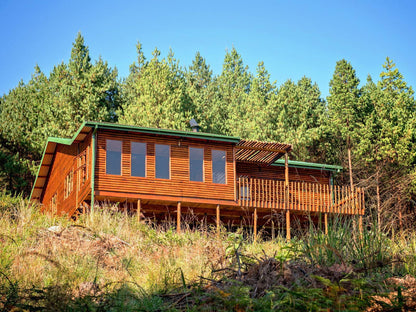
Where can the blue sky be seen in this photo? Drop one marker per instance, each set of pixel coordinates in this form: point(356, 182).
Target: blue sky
point(293, 38)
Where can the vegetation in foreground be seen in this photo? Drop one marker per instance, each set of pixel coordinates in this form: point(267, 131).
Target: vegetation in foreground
point(107, 261)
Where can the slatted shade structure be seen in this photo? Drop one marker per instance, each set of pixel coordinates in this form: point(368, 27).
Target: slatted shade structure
point(261, 153)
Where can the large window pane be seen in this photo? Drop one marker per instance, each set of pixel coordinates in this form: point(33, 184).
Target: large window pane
point(196, 162)
point(138, 159)
point(218, 166)
point(113, 159)
point(162, 153)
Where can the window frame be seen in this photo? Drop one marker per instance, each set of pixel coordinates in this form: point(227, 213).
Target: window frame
point(145, 159)
point(203, 163)
point(225, 165)
point(169, 163)
point(106, 157)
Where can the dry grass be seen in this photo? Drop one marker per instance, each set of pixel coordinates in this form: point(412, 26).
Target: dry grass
point(107, 260)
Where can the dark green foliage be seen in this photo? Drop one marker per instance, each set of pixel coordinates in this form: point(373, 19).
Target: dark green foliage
point(154, 94)
point(52, 106)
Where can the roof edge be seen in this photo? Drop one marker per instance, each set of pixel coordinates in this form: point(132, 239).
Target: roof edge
point(308, 165)
point(180, 133)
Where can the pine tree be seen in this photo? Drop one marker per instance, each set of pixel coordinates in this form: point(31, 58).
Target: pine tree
point(234, 86)
point(343, 106)
point(154, 94)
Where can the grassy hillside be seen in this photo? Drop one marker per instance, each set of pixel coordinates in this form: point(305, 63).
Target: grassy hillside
point(106, 261)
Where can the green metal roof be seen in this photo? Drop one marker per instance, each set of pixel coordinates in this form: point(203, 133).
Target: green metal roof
point(176, 133)
point(307, 165)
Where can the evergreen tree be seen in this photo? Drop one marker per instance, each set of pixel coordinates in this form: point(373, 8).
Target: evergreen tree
point(53, 106)
point(234, 86)
point(300, 113)
point(258, 114)
point(343, 106)
point(155, 94)
point(202, 91)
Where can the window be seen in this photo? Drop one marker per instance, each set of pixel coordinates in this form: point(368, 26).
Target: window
point(69, 184)
point(113, 158)
point(138, 159)
point(162, 153)
point(218, 166)
point(196, 163)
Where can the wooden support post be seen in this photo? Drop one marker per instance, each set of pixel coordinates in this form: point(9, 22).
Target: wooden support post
point(326, 223)
point(139, 211)
point(273, 236)
point(255, 225)
point(218, 221)
point(287, 197)
point(287, 225)
point(178, 218)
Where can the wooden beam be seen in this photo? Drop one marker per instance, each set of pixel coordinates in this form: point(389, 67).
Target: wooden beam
point(139, 210)
point(288, 225)
point(218, 220)
point(255, 225)
point(178, 218)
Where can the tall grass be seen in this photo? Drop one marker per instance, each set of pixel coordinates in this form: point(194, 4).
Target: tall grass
point(107, 260)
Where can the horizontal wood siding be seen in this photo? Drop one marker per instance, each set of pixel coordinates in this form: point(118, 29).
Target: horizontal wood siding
point(65, 161)
point(278, 173)
point(178, 184)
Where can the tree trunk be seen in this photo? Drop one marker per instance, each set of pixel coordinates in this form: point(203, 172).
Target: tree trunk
point(350, 163)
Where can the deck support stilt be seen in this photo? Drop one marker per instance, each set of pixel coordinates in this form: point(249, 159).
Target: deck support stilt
point(139, 211)
point(255, 225)
point(218, 221)
point(178, 218)
point(288, 225)
point(287, 197)
point(273, 237)
point(326, 223)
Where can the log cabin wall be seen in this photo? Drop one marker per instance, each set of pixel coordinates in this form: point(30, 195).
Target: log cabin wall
point(278, 173)
point(179, 184)
point(66, 160)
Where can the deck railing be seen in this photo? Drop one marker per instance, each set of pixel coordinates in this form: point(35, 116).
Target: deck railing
point(301, 196)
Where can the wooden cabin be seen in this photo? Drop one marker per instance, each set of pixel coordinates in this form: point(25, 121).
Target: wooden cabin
point(162, 174)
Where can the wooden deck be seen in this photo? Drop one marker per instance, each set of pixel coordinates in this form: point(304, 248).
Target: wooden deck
point(299, 196)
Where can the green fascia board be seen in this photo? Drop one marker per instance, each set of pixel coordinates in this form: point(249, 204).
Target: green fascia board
point(177, 133)
point(307, 165)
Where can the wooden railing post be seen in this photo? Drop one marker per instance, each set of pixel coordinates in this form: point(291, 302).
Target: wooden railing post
point(178, 218)
point(288, 225)
point(326, 223)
